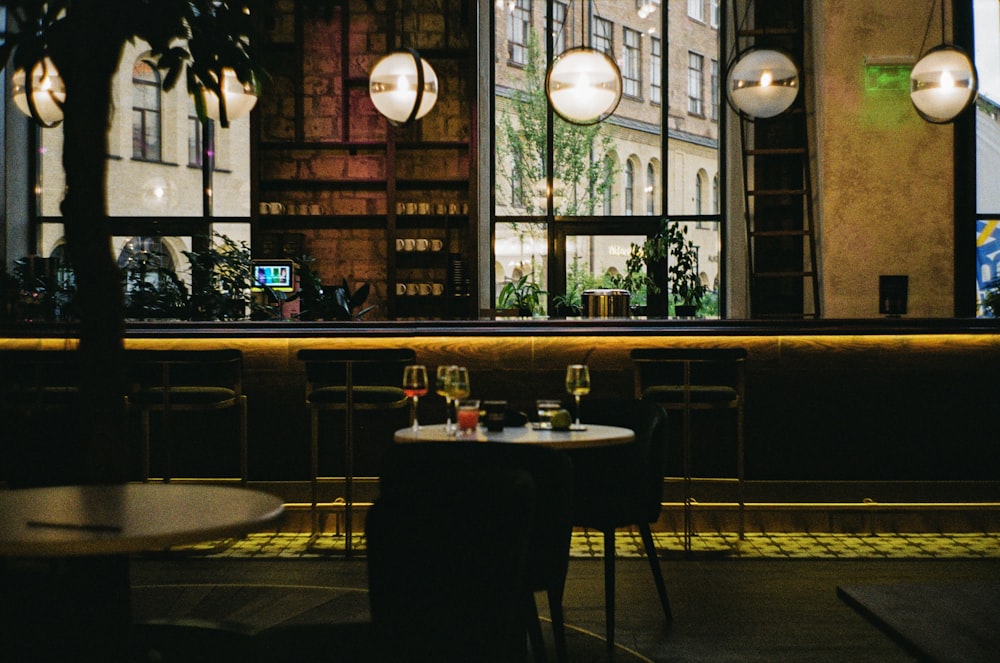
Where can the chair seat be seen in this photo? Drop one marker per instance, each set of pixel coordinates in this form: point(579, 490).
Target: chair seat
point(363, 395)
point(204, 396)
point(704, 394)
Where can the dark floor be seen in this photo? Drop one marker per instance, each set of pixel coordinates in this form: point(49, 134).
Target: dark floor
point(725, 609)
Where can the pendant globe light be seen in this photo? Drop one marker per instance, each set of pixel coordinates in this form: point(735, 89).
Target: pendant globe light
point(40, 96)
point(583, 84)
point(943, 82)
point(403, 86)
point(238, 98)
point(762, 83)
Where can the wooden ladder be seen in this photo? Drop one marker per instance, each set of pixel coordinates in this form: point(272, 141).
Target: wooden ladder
point(777, 182)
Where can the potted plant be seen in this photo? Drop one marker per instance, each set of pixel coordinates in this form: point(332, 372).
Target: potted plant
point(222, 276)
point(326, 302)
point(521, 295)
point(672, 246)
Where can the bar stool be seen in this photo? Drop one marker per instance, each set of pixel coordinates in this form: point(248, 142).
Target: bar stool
point(169, 381)
point(348, 381)
point(695, 379)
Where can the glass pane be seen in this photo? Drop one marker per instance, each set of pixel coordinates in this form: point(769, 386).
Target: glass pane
point(596, 261)
point(692, 95)
point(521, 250)
point(143, 188)
point(707, 240)
point(987, 26)
point(588, 161)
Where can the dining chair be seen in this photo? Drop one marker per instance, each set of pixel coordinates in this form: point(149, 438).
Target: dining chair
point(689, 380)
point(447, 553)
point(349, 381)
point(173, 381)
point(622, 486)
point(422, 464)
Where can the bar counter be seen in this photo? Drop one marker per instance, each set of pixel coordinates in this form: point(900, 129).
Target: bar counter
point(829, 400)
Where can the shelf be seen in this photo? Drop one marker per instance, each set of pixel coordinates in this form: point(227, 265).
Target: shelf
point(286, 221)
point(353, 145)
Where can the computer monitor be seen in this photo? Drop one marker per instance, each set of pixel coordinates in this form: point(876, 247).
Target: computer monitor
point(274, 274)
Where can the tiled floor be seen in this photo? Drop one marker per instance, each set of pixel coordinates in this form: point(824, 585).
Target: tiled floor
point(628, 544)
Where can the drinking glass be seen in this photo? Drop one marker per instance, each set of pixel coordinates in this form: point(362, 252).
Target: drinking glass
point(577, 384)
point(415, 386)
point(458, 383)
point(441, 387)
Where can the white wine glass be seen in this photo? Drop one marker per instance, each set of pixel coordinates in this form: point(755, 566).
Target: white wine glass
point(441, 387)
point(458, 384)
point(415, 386)
point(577, 385)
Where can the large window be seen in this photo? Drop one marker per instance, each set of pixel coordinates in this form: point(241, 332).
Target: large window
point(592, 192)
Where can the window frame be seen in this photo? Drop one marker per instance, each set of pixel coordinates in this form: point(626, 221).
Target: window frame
point(147, 91)
point(696, 84)
point(632, 63)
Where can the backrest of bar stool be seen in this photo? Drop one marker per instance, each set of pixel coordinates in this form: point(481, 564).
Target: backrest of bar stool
point(186, 381)
point(39, 379)
point(361, 379)
point(695, 378)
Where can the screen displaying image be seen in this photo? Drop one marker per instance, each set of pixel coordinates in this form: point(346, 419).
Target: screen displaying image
point(276, 275)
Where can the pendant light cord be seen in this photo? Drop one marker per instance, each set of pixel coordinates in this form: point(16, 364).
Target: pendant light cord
point(927, 29)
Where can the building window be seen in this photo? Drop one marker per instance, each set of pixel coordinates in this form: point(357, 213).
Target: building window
point(713, 13)
point(194, 141)
point(655, 69)
point(714, 91)
point(602, 35)
point(631, 72)
point(629, 188)
point(696, 81)
point(146, 112)
point(650, 189)
point(561, 26)
point(518, 27)
point(699, 192)
point(715, 194)
point(696, 10)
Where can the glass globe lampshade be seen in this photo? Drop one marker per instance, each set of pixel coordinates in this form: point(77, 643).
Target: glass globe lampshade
point(403, 87)
point(583, 85)
point(240, 97)
point(42, 97)
point(943, 83)
point(763, 83)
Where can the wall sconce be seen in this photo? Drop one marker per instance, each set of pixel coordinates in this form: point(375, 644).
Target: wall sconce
point(583, 85)
point(42, 96)
point(762, 83)
point(239, 98)
point(403, 87)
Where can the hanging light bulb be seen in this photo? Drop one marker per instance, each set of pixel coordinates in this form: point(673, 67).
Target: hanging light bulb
point(403, 86)
point(943, 83)
point(40, 98)
point(584, 85)
point(763, 83)
point(240, 97)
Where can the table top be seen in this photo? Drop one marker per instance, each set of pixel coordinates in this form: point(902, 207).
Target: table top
point(126, 518)
point(593, 436)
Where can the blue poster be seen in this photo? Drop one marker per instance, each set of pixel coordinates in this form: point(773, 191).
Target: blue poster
point(987, 255)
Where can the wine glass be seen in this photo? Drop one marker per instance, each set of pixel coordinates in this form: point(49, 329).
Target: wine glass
point(441, 387)
point(577, 384)
point(415, 386)
point(458, 383)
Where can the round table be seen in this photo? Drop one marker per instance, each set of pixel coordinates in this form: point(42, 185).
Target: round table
point(592, 435)
point(64, 521)
point(79, 607)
